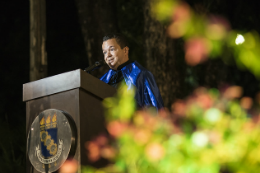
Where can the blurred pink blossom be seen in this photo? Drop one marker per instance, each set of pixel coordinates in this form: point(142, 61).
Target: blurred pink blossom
point(93, 151)
point(249, 126)
point(214, 137)
point(149, 120)
point(219, 20)
point(116, 128)
point(69, 166)
point(164, 113)
point(155, 151)
point(196, 50)
point(181, 15)
point(256, 119)
point(108, 152)
point(204, 101)
point(217, 27)
point(178, 107)
point(246, 102)
point(101, 140)
point(233, 92)
point(142, 136)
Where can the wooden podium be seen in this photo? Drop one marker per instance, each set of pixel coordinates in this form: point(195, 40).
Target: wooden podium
point(76, 92)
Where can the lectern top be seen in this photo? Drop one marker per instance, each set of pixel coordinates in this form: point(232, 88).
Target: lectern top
point(67, 81)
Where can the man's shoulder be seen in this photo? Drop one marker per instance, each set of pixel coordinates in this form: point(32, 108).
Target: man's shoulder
point(143, 70)
point(139, 71)
point(106, 77)
point(139, 66)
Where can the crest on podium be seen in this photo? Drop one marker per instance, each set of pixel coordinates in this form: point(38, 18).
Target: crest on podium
point(51, 140)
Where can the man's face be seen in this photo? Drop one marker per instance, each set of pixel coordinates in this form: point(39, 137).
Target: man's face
point(113, 54)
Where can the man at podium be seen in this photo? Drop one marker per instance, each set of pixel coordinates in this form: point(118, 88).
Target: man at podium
point(115, 50)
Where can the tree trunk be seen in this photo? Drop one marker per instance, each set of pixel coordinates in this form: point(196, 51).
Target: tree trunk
point(38, 56)
point(96, 18)
point(160, 57)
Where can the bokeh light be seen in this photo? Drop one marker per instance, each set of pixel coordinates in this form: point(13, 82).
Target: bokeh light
point(197, 50)
point(70, 166)
point(240, 39)
point(93, 151)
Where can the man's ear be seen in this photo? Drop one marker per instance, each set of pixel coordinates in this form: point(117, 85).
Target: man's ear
point(126, 49)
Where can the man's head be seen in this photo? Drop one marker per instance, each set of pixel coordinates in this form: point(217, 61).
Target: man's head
point(115, 50)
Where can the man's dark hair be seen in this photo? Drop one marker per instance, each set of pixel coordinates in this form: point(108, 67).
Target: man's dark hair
point(120, 39)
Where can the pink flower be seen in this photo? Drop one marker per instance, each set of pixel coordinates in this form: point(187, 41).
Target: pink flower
point(180, 17)
point(181, 13)
point(214, 137)
point(233, 92)
point(154, 151)
point(116, 128)
point(204, 101)
point(217, 27)
point(108, 152)
point(164, 113)
point(196, 51)
point(93, 151)
point(149, 120)
point(179, 107)
point(69, 166)
point(248, 126)
point(142, 136)
point(101, 140)
point(246, 102)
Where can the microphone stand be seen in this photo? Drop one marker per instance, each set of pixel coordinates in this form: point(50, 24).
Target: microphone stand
point(95, 66)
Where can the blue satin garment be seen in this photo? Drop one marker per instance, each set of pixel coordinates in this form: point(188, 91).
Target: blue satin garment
point(135, 75)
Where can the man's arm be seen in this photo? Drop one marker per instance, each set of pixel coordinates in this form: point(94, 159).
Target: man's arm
point(152, 96)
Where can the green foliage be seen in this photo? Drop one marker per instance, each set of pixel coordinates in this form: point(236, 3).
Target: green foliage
point(210, 132)
point(163, 9)
point(209, 36)
point(122, 106)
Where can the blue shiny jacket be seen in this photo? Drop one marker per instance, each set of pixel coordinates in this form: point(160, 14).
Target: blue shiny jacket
point(147, 93)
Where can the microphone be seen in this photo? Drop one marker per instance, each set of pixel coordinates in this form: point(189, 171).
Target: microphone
point(95, 66)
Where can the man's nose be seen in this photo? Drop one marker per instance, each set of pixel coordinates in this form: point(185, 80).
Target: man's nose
point(109, 54)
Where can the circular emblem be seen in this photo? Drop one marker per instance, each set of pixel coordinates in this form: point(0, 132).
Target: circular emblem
point(51, 140)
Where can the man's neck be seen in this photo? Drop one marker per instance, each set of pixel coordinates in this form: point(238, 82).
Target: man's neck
point(124, 64)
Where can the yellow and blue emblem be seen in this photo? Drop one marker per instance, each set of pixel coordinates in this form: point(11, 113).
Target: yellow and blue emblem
point(51, 140)
point(48, 136)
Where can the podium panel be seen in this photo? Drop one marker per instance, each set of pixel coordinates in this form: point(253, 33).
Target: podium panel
point(76, 93)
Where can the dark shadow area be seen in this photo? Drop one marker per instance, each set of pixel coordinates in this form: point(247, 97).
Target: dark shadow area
point(64, 44)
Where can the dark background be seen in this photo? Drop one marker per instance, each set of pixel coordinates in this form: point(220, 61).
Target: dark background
point(66, 52)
